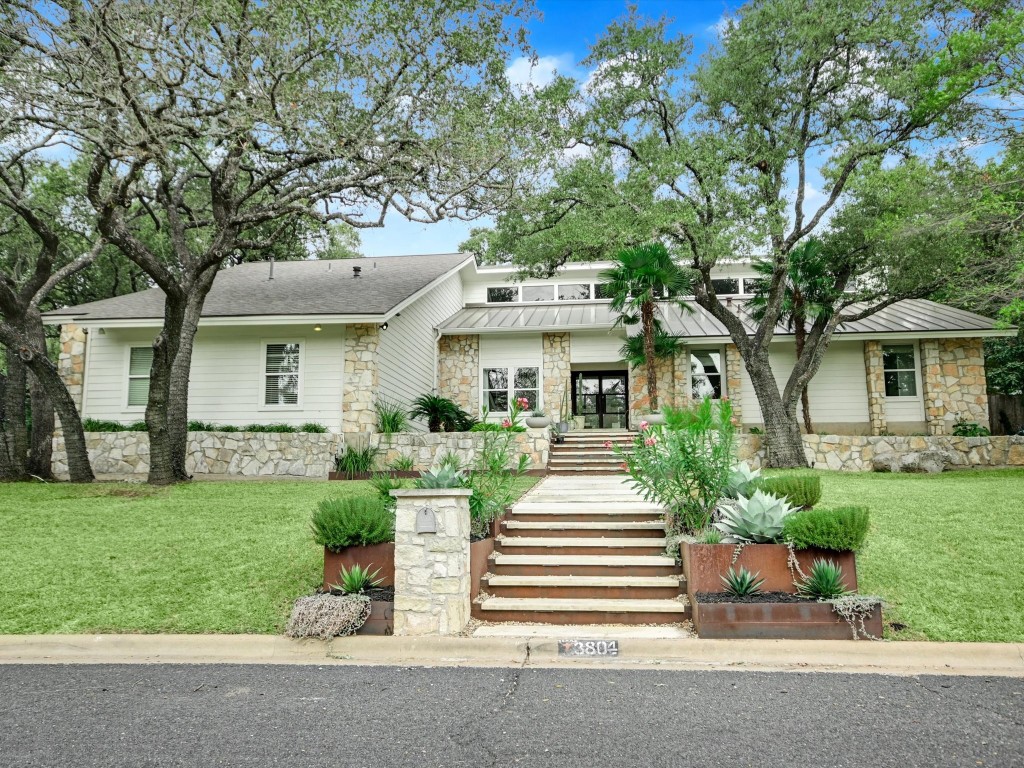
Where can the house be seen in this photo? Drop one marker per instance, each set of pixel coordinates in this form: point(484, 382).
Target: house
point(320, 341)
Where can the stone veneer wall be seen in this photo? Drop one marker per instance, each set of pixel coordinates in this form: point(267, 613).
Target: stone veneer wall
point(875, 376)
point(734, 380)
point(458, 367)
point(71, 362)
point(953, 379)
point(556, 371)
point(427, 448)
point(360, 386)
point(668, 392)
point(250, 454)
point(858, 453)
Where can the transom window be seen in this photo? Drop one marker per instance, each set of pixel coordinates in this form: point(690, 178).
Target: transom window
point(706, 374)
point(899, 369)
point(502, 385)
point(726, 286)
point(753, 285)
point(574, 291)
point(503, 294)
point(538, 293)
point(140, 360)
point(281, 370)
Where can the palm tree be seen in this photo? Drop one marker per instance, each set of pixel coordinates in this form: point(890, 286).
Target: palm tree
point(808, 293)
point(640, 278)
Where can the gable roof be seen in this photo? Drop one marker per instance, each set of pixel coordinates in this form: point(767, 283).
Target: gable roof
point(311, 287)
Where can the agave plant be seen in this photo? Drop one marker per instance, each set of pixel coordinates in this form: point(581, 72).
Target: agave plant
point(444, 477)
point(742, 583)
point(824, 582)
point(742, 480)
point(357, 579)
point(756, 520)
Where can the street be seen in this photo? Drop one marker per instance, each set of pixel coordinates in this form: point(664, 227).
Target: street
point(296, 716)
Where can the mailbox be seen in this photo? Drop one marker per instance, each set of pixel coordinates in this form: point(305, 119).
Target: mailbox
point(426, 520)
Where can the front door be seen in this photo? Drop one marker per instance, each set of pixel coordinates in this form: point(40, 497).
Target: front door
point(601, 398)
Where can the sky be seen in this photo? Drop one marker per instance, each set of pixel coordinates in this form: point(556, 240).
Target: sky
point(561, 39)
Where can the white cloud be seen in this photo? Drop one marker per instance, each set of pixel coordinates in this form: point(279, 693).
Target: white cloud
point(722, 27)
point(527, 72)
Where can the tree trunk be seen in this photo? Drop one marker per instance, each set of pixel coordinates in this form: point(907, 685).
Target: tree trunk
point(165, 349)
point(40, 459)
point(13, 433)
point(785, 443)
point(647, 320)
point(800, 334)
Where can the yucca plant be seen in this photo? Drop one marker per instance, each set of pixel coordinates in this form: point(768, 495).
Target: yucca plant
point(824, 582)
point(444, 477)
point(742, 583)
point(757, 520)
point(357, 579)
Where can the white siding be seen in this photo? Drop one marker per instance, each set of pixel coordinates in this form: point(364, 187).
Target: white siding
point(406, 356)
point(596, 346)
point(226, 379)
point(838, 392)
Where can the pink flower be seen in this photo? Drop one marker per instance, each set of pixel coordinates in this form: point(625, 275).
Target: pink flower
point(649, 441)
point(725, 399)
point(623, 466)
point(607, 443)
point(506, 423)
point(523, 402)
point(644, 425)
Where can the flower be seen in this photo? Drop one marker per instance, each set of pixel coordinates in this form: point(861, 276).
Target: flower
point(644, 425)
point(724, 399)
point(649, 441)
point(623, 466)
point(523, 402)
point(506, 423)
point(607, 443)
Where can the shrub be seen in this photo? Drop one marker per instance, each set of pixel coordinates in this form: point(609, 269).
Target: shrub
point(384, 483)
point(391, 417)
point(743, 583)
point(202, 426)
point(493, 478)
point(104, 425)
point(490, 426)
point(801, 490)
point(138, 426)
point(685, 464)
point(757, 520)
point(742, 480)
point(841, 530)
point(357, 579)
point(444, 477)
point(964, 428)
point(352, 521)
point(824, 582)
point(282, 428)
point(451, 460)
point(441, 414)
point(228, 428)
point(313, 427)
point(355, 459)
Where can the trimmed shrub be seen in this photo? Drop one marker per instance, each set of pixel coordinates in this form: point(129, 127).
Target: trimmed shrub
point(801, 490)
point(103, 425)
point(352, 521)
point(841, 530)
point(313, 427)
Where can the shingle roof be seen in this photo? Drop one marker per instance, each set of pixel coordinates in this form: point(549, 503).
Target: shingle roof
point(909, 316)
point(298, 288)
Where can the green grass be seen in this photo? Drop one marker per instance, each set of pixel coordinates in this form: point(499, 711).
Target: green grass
point(943, 550)
point(205, 557)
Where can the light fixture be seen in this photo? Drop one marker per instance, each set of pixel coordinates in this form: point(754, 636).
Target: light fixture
point(384, 326)
point(317, 327)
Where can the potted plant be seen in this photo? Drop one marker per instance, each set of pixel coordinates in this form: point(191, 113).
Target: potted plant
point(563, 414)
point(358, 580)
point(538, 420)
point(557, 435)
point(355, 530)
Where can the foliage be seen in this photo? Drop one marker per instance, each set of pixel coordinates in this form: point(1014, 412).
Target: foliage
point(102, 425)
point(824, 581)
point(391, 417)
point(490, 426)
point(493, 478)
point(709, 536)
point(801, 491)
point(841, 529)
point(403, 463)
point(384, 483)
point(964, 428)
point(742, 480)
point(758, 519)
point(352, 521)
point(450, 460)
point(441, 414)
point(357, 579)
point(312, 427)
point(743, 583)
point(444, 477)
point(685, 464)
point(355, 459)
point(326, 616)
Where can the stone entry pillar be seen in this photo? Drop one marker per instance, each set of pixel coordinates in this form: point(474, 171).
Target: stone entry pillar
point(432, 576)
point(360, 385)
point(734, 380)
point(71, 363)
point(556, 372)
point(458, 374)
point(875, 375)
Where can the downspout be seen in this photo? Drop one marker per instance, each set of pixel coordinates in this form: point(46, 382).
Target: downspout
point(437, 360)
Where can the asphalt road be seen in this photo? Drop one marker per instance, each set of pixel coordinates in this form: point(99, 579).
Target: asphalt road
point(298, 716)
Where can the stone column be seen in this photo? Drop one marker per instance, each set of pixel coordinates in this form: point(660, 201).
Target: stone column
point(458, 374)
point(875, 376)
point(432, 576)
point(681, 377)
point(556, 371)
point(953, 380)
point(734, 380)
point(931, 383)
point(360, 386)
point(71, 362)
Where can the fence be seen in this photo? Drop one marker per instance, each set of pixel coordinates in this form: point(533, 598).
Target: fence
point(1006, 413)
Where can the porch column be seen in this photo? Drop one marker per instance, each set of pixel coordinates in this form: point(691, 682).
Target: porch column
point(954, 384)
point(71, 362)
point(875, 376)
point(458, 375)
point(556, 372)
point(681, 376)
point(360, 386)
point(734, 381)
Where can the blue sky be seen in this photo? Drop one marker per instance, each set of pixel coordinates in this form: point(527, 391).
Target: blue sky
point(561, 39)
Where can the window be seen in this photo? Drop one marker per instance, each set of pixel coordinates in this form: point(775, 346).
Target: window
point(705, 374)
point(503, 295)
point(574, 292)
point(140, 360)
point(500, 389)
point(726, 286)
point(538, 293)
point(281, 374)
point(753, 285)
point(899, 370)
point(601, 291)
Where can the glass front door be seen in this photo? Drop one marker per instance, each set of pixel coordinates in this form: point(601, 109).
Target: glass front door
point(601, 398)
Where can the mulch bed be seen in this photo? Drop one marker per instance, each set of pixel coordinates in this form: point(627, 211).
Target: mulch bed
point(380, 594)
point(763, 597)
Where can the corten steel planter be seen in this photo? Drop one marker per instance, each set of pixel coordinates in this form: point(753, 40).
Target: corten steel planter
point(369, 475)
point(381, 620)
point(705, 564)
point(778, 621)
point(480, 563)
point(380, 556)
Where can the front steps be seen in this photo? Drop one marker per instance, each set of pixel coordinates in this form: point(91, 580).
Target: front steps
point(564, 558)
point(586, 452)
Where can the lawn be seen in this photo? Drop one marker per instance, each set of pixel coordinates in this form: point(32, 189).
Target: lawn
point(203, 557)
point(944, 551)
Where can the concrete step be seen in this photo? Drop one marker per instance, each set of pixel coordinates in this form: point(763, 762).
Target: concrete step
point(587, 513)
point(504, 564)
point(563, 631)
point(585, 611)
point(584, 587)
point(526, 545)
point(641, 530)
point(584, 458)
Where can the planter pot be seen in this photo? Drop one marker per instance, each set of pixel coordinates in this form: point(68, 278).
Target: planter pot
point(654, 418)
point(579, 422)
point(705, 564)
point(538, 422)
point(381, 620)
point(563, 426)
point(377, 556)
point(777, 621)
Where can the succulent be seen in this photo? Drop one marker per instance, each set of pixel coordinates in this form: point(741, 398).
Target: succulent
point(357, 579)
point(824, 582)
point(742, 480)
point(743, 583)
point(755, 520)
point(444, 477)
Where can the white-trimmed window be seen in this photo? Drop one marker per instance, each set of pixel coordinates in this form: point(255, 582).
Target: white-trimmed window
point(706, 374)
point(899, 365)
point(502, 385)
point(538, 293)
point(573, 291)
point(140, 360)
point(282, 374)
point(503, 294)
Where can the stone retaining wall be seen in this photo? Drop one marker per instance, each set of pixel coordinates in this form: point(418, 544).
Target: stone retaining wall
point(857, 453)
point(250, 454)
point(427, 448)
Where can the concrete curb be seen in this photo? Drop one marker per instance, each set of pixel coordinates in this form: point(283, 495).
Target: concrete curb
point(900, 658)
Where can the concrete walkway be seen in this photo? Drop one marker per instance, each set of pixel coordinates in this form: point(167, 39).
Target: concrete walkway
point(894, 658)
